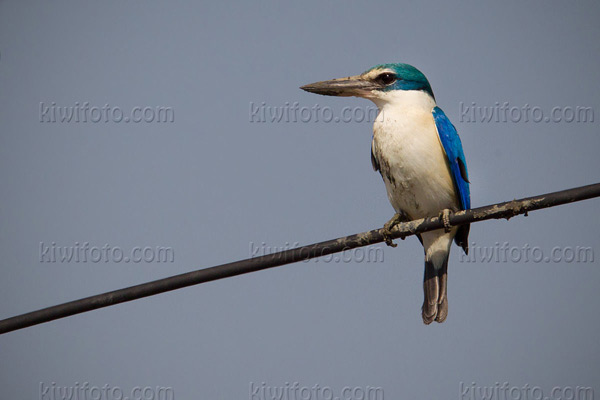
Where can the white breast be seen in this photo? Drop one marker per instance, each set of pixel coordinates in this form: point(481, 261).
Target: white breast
point(411, 157)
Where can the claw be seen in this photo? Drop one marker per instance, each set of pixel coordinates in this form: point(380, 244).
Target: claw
point(388, 226)
point(445, 217)
point(388, 240)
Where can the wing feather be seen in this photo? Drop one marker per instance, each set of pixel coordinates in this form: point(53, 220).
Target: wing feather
point(458, 168)
point(455, 156)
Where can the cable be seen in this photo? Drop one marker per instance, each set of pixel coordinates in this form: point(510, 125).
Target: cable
point(494, 211)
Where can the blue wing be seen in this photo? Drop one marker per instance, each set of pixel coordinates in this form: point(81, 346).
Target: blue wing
point(456, 157)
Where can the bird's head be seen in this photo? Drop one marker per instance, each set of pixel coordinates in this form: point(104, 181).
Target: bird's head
point(375, 84)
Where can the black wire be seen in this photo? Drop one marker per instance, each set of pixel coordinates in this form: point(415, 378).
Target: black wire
point(500, 210)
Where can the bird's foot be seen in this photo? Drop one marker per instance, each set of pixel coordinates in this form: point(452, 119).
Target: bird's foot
point(388, 226)
point(445, 217)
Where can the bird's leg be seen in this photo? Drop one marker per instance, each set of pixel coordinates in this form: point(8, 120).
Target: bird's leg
point(445, 217)
point(388, 226)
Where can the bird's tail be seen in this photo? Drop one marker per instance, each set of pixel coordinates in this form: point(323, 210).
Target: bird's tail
point(435, 283)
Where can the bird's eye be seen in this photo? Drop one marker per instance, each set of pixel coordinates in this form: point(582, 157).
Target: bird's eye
point(386, 78)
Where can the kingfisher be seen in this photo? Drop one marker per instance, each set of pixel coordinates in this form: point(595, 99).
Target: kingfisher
point(419, 155)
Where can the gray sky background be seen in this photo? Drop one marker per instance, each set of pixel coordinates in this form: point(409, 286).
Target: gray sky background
point(215, 185)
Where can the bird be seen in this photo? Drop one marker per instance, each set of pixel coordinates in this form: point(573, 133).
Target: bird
point(419, 155)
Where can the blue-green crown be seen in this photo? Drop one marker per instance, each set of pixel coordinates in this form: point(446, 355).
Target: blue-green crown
point(407, 78)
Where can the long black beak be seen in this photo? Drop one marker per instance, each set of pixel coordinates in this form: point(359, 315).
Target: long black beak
point(350, 86)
